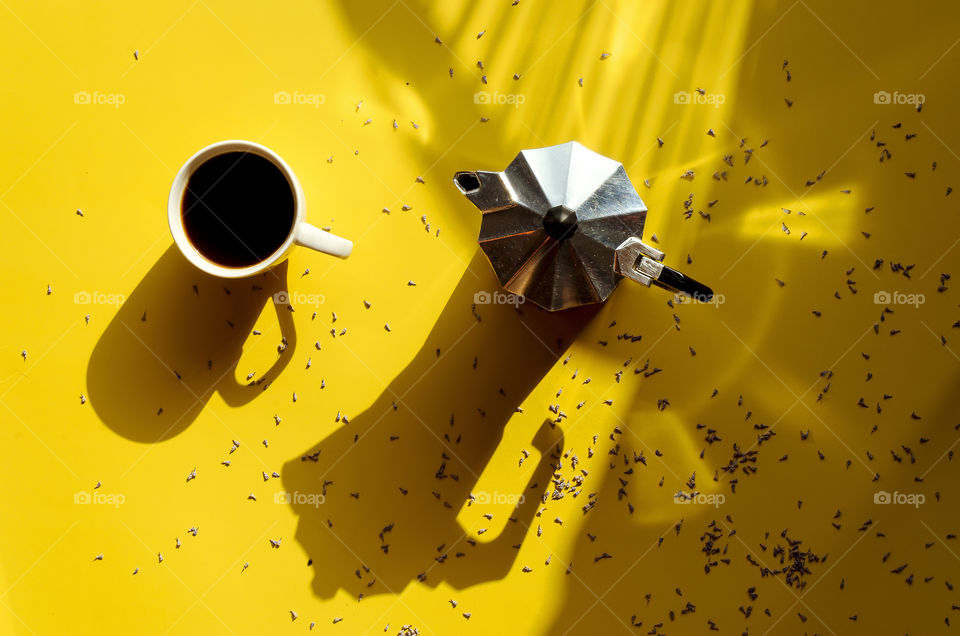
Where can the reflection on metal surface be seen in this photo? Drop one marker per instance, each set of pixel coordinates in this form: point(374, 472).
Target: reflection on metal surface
point(562, 225)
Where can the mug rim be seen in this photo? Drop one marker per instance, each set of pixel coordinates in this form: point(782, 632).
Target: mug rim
point(175, 204)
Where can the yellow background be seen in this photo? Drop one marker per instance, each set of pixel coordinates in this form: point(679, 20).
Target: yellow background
point(210, 70)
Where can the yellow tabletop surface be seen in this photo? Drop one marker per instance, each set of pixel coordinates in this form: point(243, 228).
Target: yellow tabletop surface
point(185, 455)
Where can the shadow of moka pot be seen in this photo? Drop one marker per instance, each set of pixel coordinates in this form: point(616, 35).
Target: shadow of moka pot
point(562, 226)
point(396, 495)
point(178, 339)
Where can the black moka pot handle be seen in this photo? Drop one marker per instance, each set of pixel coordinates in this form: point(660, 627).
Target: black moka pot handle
point(641, 263)
point(672, 280)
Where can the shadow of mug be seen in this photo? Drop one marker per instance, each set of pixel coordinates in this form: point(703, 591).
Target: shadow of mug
point(176, 340)
point(378, 499)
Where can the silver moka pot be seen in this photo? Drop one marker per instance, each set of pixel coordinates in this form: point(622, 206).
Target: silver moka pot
point(562, 226)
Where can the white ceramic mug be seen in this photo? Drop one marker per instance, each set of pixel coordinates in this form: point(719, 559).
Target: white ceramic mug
point(301, 232)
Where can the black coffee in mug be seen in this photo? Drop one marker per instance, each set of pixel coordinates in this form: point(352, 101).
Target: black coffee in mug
point(237, 209)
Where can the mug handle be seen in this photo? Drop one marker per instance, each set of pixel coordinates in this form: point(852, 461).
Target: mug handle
point(236, 393)
point(316, 239)
point(641, 263)
point(548, 438)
